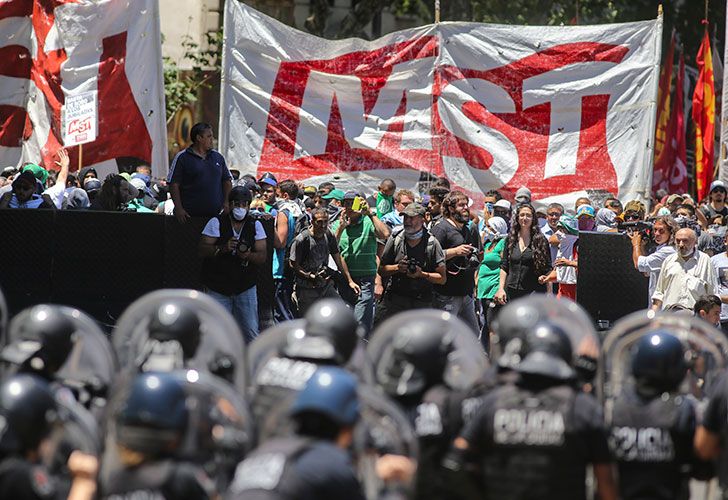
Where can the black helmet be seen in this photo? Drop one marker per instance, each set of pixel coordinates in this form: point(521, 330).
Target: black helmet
point(43, 341)
point(417, 354)
point(517, 318)
point(153, 417)
point(28, 412)
point(240, 193)
point(659, 361)
point(174, 322)
point(330, 333)
point(548, 352)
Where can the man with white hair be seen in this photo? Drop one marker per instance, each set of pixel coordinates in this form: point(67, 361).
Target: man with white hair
point(684, 276)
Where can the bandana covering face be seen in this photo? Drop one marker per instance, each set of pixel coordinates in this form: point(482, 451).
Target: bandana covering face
point(385, 204)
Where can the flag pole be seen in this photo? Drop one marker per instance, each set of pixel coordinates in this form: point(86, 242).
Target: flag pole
point(80, 158)
point(723, 151)
point(437, 11)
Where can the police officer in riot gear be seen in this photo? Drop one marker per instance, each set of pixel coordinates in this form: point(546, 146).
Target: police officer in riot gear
point(312, 464)
point(174, 335)
point(44, 342)
point(412, 371)
point(327, 336)
point(534, 438)
point(652, 428)
point(149, 428)
point(29, 416)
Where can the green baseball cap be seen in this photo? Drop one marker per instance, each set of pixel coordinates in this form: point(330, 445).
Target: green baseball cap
point(335, 194)
point(39, 172)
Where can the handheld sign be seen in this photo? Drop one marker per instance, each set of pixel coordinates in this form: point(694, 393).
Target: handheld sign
point(80, 117)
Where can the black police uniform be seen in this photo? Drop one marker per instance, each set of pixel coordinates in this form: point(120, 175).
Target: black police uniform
point(652, 442)
point(21, 480)
point(436, 418)
point(296, 468)
point(533, 441)
point(715, 420)
point(279, 377)
point(162, 480)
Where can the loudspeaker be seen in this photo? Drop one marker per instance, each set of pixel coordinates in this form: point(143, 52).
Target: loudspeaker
point(609, 287)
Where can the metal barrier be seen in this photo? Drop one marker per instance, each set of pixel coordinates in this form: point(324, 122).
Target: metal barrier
point(100, 262)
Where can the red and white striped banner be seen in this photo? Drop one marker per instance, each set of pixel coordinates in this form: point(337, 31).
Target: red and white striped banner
point(563, 110)
point(52, 50)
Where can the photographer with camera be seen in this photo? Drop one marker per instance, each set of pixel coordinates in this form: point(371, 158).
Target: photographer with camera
point(414, 260)
point(662, 234)
point(461, 242)
point(229, 244)
point(310, 254)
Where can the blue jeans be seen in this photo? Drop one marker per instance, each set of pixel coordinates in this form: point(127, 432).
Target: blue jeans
point(364, 308)
point(244, 308)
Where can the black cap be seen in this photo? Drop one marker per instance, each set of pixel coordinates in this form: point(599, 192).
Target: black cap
point(240, 193)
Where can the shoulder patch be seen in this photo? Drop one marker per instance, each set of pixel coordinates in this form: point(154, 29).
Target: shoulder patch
point(41, 481)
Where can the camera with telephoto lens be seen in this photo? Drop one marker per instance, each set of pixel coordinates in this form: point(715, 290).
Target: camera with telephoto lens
point(639, 226)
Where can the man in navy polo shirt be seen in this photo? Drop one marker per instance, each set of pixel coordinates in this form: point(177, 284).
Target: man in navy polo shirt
point(199, 179)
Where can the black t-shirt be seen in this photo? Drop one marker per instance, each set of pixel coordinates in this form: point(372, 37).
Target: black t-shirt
point(710, 212)
point(520, 267)
point(460, 277)
point(396, 249)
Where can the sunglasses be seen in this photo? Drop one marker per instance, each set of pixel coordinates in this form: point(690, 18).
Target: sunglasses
point(554, 214)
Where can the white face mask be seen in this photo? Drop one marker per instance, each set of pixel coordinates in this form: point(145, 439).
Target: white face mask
point(239, 213)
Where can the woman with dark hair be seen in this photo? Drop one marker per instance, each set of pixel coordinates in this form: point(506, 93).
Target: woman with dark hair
point(526, 257)
point(115, 193)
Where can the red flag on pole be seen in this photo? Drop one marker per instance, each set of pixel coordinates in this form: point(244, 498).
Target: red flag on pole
point(704, 118)
point(678, 172)
point(660, 173)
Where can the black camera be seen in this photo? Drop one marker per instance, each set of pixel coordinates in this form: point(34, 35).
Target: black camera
point(242, 247)
point(473, 259)
point(411, 266)
point(639, 226)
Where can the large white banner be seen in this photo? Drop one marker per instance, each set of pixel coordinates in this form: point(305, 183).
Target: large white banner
point(565, 111)
point(53, 51)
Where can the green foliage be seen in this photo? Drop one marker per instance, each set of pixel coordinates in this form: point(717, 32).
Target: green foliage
point(181, 87)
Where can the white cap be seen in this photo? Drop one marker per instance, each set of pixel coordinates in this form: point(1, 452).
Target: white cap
point(503, 204)
point(718, 184)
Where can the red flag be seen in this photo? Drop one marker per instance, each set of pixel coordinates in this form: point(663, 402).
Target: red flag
point(678, 172)
point(663, 116)
point(704, 118)
point(670, 172)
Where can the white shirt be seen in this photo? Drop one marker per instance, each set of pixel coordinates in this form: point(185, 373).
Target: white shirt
point(683, 281)
point(720, 264)
point(566, 274)
point(548, 232)
point(652, 263)
point(212, 229)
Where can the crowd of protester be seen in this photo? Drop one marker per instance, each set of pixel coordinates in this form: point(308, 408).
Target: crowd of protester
point(394, 249)
point(387, 308)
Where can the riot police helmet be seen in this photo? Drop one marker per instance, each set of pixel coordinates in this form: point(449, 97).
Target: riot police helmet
point(516, 319)
point(330, 333)
point(28, 412)
point(174, 322)
point(153, 417)
point(659, 361)
point(417, 354)
point(548, 352)
point(44, 340)
point(332, 392)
